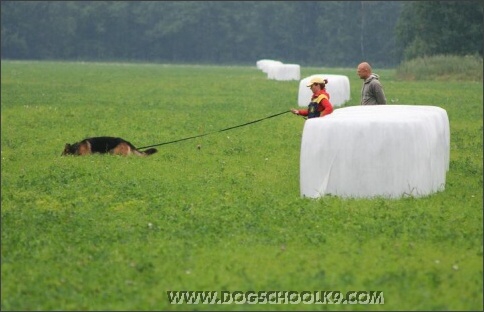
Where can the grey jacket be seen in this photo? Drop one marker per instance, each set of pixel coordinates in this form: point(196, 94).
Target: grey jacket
point(372, 91)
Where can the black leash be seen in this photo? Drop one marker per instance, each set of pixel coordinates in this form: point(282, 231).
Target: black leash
point(201, 135)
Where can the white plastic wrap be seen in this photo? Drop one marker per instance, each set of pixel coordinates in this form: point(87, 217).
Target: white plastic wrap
point(265, 65)
point(379, 150)
point(338, 88)
point(284, 72)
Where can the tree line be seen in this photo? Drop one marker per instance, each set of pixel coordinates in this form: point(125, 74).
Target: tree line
point(311, 33)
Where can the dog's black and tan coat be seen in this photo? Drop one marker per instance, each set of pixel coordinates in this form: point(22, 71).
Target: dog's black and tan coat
point(105, 145)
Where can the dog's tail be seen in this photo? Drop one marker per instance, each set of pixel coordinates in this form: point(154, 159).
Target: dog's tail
point(150, 151)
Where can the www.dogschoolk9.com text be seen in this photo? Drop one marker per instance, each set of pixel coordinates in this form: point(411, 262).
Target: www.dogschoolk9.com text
point(275, 297)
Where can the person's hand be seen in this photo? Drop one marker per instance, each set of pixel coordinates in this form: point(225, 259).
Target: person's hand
point(295, 111)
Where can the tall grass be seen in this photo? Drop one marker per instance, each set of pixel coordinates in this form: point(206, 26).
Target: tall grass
point(115, 233)
point(442, 68)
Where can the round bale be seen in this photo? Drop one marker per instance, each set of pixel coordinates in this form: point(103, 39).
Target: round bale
point(284, 72)
point(387, 151)
point(338, 88)
point(265, 65)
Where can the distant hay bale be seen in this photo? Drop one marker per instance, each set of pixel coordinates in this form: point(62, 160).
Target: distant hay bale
point(375, 151)
point(338, 88)
point(284, 72)
point(265, 64)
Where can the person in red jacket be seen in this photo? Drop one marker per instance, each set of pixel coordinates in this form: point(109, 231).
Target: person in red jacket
point(320, 105)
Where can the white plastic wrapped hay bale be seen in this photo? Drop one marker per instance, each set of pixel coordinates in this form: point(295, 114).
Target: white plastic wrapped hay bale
point(271, 70)
point(284, 72)
point(260, 64)
point(375, 151)
point(338, 88)
point(265, 65)
point(274, 70)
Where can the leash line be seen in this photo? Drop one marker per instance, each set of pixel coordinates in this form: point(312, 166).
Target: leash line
point(222, 130)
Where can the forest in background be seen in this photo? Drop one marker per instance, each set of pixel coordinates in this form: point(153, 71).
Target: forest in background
point(310, 33)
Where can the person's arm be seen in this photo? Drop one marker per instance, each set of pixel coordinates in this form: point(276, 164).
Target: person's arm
point(379, 94)
point(302, 112)
point(327, 107)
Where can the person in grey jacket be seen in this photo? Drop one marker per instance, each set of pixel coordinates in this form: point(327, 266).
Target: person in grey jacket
point(372, 90)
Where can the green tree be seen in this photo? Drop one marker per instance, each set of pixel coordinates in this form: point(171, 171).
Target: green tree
point(38, 30)
point(440, 27)
point(326, 33)
point(13, 41)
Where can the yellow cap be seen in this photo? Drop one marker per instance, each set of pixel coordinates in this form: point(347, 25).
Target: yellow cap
point(317, 80)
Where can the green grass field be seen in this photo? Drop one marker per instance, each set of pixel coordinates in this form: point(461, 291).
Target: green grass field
point(117, 233)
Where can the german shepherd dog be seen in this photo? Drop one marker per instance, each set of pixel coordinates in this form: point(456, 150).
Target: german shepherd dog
point(104, 145)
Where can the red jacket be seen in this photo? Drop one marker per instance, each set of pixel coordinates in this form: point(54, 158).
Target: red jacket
point(324, 105)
